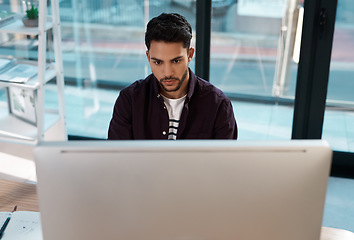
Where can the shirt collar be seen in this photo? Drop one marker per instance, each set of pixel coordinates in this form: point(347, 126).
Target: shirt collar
point(192, 83)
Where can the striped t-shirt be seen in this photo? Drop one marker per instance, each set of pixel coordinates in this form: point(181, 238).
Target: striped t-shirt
point(174, 109)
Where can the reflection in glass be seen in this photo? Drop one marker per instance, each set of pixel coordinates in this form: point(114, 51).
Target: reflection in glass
point(252, 50)
point(338, 127)
point(254, 55)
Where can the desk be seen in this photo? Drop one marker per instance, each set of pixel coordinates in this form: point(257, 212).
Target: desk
point(336, 234)
point(24, 195)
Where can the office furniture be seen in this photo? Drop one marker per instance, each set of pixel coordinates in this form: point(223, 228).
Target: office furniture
point(17, 130)
point(24, 195)
point(334, 233)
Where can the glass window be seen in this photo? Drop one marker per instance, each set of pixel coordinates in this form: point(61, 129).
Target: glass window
point(338, 128)
point(253, 58)
point(103, 51)
point(254, 55)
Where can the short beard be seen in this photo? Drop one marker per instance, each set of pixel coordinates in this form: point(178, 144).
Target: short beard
point(181, 81)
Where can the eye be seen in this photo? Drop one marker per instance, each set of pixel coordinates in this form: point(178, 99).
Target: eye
point(176, 60)
point(157, 62)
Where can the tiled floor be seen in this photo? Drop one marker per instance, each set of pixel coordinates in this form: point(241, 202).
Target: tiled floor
point(339, 207)
point(263, 121)
point(339, 129)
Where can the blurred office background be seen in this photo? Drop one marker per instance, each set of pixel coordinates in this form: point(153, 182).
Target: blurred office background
point(254, 58)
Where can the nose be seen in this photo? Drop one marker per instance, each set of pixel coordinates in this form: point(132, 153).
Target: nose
point(168, 70)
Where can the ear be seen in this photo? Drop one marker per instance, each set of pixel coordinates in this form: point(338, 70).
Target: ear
point(190, 54)
point(148, 55)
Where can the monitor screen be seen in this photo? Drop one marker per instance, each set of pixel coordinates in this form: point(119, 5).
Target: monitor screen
point(202, 189)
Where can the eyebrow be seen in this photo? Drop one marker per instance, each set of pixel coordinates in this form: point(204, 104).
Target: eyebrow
point(156, 59)
point(173, 59)
point(176, 58)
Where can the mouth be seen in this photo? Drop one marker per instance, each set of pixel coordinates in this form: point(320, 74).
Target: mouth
point(169, 82)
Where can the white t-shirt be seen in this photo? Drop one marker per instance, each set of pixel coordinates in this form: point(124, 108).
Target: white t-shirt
point(174, 109)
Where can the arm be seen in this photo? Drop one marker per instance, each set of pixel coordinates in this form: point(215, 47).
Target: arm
point(120, 127)
point(225, 124)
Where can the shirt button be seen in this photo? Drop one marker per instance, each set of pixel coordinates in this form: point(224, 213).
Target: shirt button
point(164, 133)
point(164, 107)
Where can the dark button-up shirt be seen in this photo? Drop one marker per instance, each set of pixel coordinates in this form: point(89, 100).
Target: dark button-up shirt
point(140, 113)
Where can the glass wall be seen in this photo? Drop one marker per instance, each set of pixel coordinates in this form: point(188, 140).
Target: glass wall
point(253, 58)
point(103, 51)
point(254, 55)
point(338, 127)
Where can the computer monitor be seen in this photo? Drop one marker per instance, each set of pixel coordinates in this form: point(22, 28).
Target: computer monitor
point(182, 190)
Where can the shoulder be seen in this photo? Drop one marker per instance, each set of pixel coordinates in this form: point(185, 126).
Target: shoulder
point(139, 84)
point(205, 89)
point(139, 87)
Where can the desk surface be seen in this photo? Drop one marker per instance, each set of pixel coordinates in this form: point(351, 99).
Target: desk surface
point(24, 195)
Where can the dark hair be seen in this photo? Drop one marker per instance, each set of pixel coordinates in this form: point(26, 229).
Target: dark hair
point(168, 27)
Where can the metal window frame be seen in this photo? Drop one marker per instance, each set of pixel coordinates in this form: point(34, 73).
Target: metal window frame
point(203, 34)
point(312, 79)
point(313, 68)
point(312, 76)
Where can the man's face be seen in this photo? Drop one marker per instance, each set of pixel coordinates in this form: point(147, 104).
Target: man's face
point(169, 63)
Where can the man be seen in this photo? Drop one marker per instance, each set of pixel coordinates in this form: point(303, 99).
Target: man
point(172, 102)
